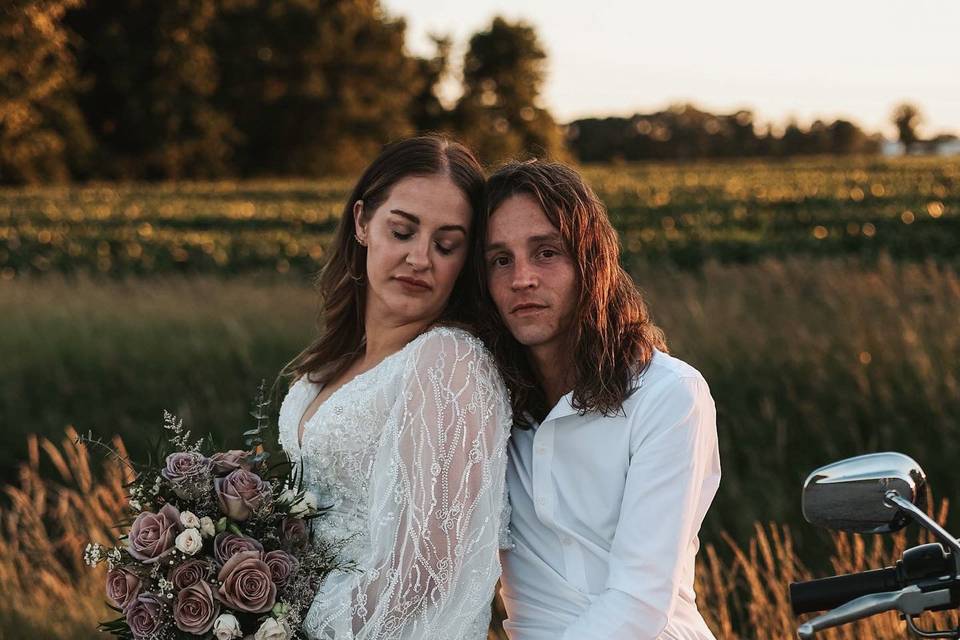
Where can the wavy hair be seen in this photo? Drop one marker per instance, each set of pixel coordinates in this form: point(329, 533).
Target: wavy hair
point(342, 283)
point(613, 336)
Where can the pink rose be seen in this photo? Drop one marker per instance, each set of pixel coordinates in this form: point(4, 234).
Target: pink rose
point(246, 584)
point(194, 609)
point(188, 573)
point(293, 532)
point(122, 587)
point(152, 535)
point(241, 493)
point(145, 615)
point(282, 566)
point(188, 472)
point(227, 461)
point(226, 544)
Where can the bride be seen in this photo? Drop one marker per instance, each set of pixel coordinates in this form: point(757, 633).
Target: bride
point(398, 416)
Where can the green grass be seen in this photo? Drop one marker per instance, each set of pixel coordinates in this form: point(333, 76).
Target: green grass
point(808, 360)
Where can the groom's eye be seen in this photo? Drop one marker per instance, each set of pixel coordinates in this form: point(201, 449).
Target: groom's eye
point(500, 261)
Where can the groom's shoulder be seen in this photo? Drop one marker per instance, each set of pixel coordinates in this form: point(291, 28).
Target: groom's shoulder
point(666, 379)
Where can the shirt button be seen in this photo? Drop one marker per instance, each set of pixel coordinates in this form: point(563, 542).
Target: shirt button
point(567, 541)
point(541, 450)
point(541, 501)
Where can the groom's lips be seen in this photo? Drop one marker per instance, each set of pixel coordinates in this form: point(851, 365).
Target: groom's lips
point(527, 307)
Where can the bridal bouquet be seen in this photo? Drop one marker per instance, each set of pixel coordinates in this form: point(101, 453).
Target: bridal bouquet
point(218, 545)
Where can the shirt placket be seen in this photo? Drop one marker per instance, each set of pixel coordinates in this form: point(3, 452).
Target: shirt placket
point(545, 504)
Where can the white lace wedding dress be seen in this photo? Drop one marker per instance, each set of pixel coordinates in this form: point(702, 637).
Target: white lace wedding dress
point(412, 456)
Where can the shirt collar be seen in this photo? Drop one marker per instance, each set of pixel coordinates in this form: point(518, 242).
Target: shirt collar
point(562, 409)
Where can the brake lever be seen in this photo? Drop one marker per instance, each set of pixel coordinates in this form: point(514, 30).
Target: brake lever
point(910, 601)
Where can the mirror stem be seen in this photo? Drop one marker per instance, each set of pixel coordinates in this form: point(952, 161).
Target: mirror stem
point(893, 498)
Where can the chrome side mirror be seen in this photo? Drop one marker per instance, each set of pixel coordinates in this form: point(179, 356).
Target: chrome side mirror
point(850, 495)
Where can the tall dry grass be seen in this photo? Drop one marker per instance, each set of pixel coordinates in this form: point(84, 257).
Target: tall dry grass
point(47, 592)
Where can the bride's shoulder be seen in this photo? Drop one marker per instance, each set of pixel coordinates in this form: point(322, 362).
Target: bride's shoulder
point(448, 346)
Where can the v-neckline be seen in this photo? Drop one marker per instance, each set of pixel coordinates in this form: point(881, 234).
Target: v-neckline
point(305, 424)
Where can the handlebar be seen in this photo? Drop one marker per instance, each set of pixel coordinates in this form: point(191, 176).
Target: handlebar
point(917, 564)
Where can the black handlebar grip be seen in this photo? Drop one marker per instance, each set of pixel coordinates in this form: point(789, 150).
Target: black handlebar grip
point(827, 593)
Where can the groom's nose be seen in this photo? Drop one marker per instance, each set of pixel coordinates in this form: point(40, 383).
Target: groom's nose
point(524, 276)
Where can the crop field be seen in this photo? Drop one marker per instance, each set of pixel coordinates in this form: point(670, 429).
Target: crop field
point(676, 214)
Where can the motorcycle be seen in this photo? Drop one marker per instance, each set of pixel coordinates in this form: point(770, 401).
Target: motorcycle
point(878, 493)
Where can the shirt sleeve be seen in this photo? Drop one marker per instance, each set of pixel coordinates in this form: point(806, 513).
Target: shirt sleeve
point(673, 476)
point(436, 499)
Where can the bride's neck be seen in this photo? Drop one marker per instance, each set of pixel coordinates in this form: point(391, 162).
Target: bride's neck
point(384, 338)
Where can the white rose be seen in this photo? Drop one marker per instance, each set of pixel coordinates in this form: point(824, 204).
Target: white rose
point(189, 542)
point(207, 527)
point(226, 627)
point(288, 496)
point(271, 630)
point(189, 519)
point(310, 499)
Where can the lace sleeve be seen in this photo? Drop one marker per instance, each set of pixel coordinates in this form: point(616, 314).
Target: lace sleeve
point(436, 500)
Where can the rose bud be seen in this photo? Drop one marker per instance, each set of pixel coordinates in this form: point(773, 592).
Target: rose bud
point(145, 615)
point(152, 535)
point(241, 493)
point(188, 472)
point(189, 572)
point(122, 587)
point(282, 566)
point(189, 519)
point(246, 584)
point(227, 461)
point(227, 627)
point(226, 545)
point(271, 630)
point(293, 531)
point(189, 542)
point(207, 528)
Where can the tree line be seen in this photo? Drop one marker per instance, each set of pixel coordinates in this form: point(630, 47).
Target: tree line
point(138, 89)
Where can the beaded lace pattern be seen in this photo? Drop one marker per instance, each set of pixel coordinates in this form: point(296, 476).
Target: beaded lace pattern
point(411, 455)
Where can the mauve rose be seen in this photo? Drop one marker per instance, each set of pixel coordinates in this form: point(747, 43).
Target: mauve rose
point(152, 535)
point(227, 461)
point(122, 587)
point(145, 615)
point(282, 566)
point(194, 609)
point(187, 472)
point(293, 531)
point(241, 493)
point(188, 573)
point(226, 544)
point(246, 584)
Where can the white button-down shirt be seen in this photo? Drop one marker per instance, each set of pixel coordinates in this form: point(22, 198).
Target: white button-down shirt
point(606, 511)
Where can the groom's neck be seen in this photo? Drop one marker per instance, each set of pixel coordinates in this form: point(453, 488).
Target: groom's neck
point(553, 366)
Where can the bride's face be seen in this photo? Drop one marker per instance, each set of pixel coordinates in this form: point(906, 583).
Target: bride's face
point(417, 243)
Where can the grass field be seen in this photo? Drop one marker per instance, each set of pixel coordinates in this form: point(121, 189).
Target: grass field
point(820, 299)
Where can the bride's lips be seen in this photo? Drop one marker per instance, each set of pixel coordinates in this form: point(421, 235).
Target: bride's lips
point(413, 283)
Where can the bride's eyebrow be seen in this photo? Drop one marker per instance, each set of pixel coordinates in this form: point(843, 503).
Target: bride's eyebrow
point(416, 220)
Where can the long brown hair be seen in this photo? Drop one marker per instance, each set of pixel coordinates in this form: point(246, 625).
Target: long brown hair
point(613, 337)
point(342, 283)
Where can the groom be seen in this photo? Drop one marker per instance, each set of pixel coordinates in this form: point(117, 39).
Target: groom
point(613, 458)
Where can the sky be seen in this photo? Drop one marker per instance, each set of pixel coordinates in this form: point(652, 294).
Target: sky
point(827, 59)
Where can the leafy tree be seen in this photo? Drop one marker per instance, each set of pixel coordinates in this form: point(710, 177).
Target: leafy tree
point(42, 132)
point(152, 75)
point(427, 112)
point(315, 86)
point(907, 117)
point(499, 114)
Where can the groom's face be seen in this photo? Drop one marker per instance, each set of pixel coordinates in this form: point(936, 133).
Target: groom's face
point(530, 274)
